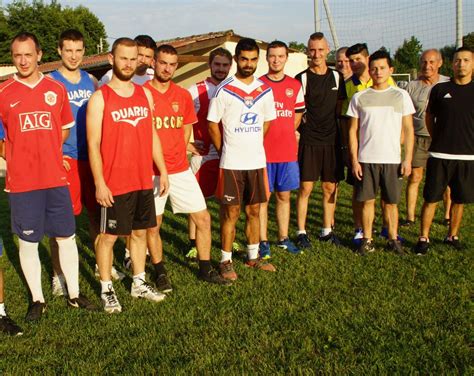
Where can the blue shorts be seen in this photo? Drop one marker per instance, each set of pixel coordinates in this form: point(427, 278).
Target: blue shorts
point(42, 212)
point(283, 176)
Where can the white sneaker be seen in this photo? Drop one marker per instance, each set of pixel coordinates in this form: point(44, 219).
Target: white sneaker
point(146, 291)
point(115, 274)
point(110, 301)
point(58, 286)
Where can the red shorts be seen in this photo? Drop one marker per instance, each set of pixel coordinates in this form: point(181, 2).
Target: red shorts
point(207, 174)
point(81, 186)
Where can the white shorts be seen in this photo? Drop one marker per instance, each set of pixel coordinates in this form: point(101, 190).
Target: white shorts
point(185, 194)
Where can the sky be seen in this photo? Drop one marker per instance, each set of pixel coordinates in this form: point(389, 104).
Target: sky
point(377, 22)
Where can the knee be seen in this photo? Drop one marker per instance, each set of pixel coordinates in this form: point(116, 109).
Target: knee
point(153, 231)
point(107, 239)
point(305, 190)
point(329, 189)
point(416, 176)
point(252, 211)
point(202, 220)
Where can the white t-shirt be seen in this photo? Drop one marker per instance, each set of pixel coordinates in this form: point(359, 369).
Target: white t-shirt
point(242, 109)
point(136, 79)
point(380, 115)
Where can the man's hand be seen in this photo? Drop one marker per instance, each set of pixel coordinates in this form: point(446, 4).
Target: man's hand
point(66, 164)
point(196, 148)
point(357, 170)
point(164, 184)
point(405, 169)
point(104, 196)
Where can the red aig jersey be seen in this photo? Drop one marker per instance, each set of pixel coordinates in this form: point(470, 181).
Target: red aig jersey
point(34, 117)
point(173, 110)
point(280, 140)
point(127, 141)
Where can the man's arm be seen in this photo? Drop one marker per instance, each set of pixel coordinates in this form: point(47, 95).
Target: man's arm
point(266, 127)
point(188, 129)
point(2, 149)
point(95, 114)
point(94, 81)
point(409, 142)
point(429, 122)
point(215, 134)
point(354, 147)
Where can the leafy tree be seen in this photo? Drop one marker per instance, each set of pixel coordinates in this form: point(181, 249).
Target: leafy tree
point(47, 21)
point(297, 46)
point(407, 55)
point(448, 52)
point(468, 40)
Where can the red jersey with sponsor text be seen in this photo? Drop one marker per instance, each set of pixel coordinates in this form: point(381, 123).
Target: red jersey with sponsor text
point(127, 141)
point(173, 110)
point(33, 117)
point(280, 140)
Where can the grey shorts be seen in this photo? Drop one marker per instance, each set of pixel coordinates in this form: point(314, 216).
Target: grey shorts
point(420, 151)
point(383, 175)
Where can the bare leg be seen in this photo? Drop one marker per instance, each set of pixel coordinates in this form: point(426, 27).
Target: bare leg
point(413, 185)
point(252, 230)
point(104, 255)
point(264, 221)
point(155, 245)
point(282, 213)
point(329, 203)
point(356, 211)
point(368, 212)
point(447, 203)
point(229, 217)
point(138, 240)
point(456, 217)
point(427, 215)
point(191, 229)
point(202, 219)
point(53, 246)
point(391, 211)
point(304, 192)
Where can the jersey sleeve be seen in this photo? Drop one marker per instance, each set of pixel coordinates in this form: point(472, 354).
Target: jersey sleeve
point(299, 105)
point(189, 114)
point(67, 118)
point(195, 97)
point(408, 107)
point(352, 110)
point(269, 107)
point(216, 107)
point(341, 93)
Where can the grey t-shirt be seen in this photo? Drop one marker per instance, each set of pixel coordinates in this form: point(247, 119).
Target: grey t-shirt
point(420, 93)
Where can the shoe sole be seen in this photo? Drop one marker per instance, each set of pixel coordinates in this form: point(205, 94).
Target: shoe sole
point(113, 310)
point(160, 299)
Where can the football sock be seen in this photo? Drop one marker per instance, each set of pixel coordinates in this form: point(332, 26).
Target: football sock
point(31, 267)
point(159, 268)
point(138, 279)
point(299, 232)
point(127, 253)
point(325, 231)
point(69, 260)
point(192, 243)
point(252, 251)
point(204, 267)
point(2, 309)
point(226, 256)
point(105, 286)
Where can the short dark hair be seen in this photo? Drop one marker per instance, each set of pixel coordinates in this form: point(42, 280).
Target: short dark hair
point(166, 49)
point(246, 44)
point(316, 36)
point(24, 36)
point(462, 49)
point(145, 41)
point(358, 48)
point(381, 54)
point(220, 52)
point(277, 44)
point(70, 34)
point(123, 42)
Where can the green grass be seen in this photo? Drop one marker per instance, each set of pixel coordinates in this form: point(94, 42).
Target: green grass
point(324, 312)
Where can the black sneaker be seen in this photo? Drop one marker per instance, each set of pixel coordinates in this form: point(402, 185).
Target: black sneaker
point(82, 302)
point(422, 246)
point(163, 283)
point(213, 276)
point(394, 245)
point(35, 311)
point(330, 238)
point(366, 246)
point(8, 326)
point(454, 242)
point(303, 242)
point(407, 223)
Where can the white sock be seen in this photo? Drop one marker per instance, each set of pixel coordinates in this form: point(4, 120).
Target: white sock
point(69, 260)
point(325, 231)
point(127, 253)
point(138, 279)
point(106, 286)
point(2, 309)
point(299, 232)
point(252, 251)
point(31, 267)
point(226, 256)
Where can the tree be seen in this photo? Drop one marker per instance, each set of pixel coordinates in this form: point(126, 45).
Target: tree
point(47, 21)
point(297, 46)
point(468, 40)
point(407, 55)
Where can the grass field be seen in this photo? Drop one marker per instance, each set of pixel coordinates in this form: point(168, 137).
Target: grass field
point(324, 312)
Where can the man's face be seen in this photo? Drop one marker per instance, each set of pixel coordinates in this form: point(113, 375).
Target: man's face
point(165, 66)
point(358, 63)
point(124, 62)
point(462, 64)
point(247, 63)
point(343, 65)
point(72, 53)
point(145, 59)
point(380, 71)
point(25, 57)
point(276, 59)
point(220, 67)
point(430, 62)
point(318, 51)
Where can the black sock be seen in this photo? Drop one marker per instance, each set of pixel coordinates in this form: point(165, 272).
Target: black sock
point(204, 267)
point(192, 243)
point(160, 268)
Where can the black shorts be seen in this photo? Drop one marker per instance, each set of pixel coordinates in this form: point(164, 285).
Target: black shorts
point(458, 175)
point(249, 187)
point(384, 175)
point(130, 211)
point(320, 162)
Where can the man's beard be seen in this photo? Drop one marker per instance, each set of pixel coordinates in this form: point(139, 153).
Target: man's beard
point(122, 76)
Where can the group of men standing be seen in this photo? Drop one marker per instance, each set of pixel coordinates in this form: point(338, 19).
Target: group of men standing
point(241, 132)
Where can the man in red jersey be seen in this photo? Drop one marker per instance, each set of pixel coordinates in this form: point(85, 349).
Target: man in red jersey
point(120, 138)
point(280, 146)
point(36, 115)
point(174, 117)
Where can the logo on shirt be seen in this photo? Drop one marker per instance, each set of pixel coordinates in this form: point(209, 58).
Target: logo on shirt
point(175, 106)
point(50, 98)
point(79, 97)
point(130, 115)
point(112, 224)
point(169, 122)
point(38, 120)
point(248, 101)
point(14, 104)
point(447, 96)
point(249, 118)
point(229, 198)
point(289, 92)
point(28, 232)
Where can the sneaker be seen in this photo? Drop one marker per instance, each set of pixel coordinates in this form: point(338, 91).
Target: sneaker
point(127, 263)
point(114, 273)
point(35, 311)
point(264, 250)
point(58, 286)
point(407, 223)
point(289, 246)
point(110, 301)
point(82, 302)
point(366, 246)
point(214, 277)
point(454, 242)
point(236, 247)
point(330, 238)
point(226, 270)
point(8, 326)
point(358, 236)
point(260, 264)
point(146, 291)
point(303, 242)
point(384, 234)
point(192, 254)
point(163, 283)
point(422, 247)
point(395, 246)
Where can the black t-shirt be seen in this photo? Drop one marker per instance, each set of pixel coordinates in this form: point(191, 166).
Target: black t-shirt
point(452, 106)
point(319, 125)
